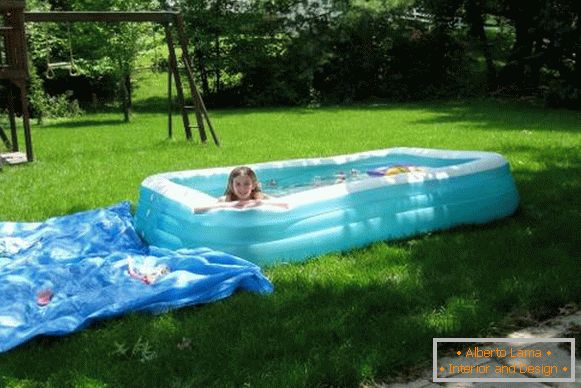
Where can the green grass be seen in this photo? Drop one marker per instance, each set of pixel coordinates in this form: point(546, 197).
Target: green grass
point(344, 319)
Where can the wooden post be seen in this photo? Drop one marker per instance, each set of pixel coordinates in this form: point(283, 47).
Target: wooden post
point(12, 119)
point(4, 138)
point(201, 107)
point(16, 69)
point(125, 104)
point(26, 120)
point(179, 86)
point(198, 98)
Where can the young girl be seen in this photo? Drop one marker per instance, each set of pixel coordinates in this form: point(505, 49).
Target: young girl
point(243, 186)
point(243, 191)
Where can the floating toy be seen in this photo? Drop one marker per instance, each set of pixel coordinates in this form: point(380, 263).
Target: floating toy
point(394, 170)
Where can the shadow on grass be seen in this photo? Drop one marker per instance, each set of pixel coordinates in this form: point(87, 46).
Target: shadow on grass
point(478, 114)
point(342, 320)
point(362, 316)
point(160, 105)
point(155, 105)
point(510, 116)
point(86, 123)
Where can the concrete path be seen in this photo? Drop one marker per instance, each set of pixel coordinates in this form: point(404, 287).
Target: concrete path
point(564, 326)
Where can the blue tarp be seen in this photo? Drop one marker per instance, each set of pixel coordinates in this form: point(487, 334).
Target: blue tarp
point(59, 275)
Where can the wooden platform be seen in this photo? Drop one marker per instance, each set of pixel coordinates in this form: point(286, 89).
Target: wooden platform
point(12, 158)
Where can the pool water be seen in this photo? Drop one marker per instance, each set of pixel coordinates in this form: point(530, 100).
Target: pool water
point(279, 182)
point(284, 187)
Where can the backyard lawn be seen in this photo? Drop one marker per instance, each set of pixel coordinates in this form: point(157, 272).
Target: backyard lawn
point(342, 319)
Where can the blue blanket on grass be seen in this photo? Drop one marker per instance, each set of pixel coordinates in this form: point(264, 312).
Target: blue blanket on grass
point(59, 275)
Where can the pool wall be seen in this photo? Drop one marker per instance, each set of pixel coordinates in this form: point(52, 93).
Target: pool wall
point(463, 187)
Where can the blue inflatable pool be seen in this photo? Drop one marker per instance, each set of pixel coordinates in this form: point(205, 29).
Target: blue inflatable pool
point(334, 203)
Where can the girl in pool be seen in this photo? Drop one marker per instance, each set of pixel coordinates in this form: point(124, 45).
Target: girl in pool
point(243, 191)
point(243, 185)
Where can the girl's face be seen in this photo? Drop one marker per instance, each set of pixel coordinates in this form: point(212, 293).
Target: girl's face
point(242, 186)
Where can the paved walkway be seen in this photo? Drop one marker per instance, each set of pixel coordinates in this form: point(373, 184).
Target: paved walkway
point(564, 326)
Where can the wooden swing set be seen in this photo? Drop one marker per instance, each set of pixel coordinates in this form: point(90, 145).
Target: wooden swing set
point(14, 68)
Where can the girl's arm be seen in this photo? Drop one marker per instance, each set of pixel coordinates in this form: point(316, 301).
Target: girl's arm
point(284, 205)
point(273, 201)
point(243, 204)
point(217, 205)
point(258, 202)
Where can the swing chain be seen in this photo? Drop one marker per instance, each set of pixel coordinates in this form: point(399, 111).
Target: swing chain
point(73, 69)
point(49, 73)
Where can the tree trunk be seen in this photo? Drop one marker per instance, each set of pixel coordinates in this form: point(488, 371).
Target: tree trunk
point(577, 50)
point(474, 14)
point(217, 69)
point(126, 96)
point(129, 88)
point(201, 61)
point(577, 72)
point(523, 47)
point(518, 70)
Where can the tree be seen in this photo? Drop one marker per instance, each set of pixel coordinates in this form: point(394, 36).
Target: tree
point(124, 41)
point(475, 18)
point(102, 50)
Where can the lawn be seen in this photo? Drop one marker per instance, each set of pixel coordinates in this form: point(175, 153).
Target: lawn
point(342, 319)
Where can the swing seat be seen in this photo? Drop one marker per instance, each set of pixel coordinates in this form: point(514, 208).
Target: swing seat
point(70, 66)
point(59, 65)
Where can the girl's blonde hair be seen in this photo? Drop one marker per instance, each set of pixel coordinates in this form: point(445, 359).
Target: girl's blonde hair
point(242, 171)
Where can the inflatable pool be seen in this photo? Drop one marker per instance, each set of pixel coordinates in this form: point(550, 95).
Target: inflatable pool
point(334, 204)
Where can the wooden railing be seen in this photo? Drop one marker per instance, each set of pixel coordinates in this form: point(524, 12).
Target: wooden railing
point(4, 31)
point(12, 42)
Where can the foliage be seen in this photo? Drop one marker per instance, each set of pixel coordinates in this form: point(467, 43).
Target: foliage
point(41, 39)
point(50, 106)
point(293, 51)
point(105, 54)
point(297, 52)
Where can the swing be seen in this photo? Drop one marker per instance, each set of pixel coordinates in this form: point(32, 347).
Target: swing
point(70, 65)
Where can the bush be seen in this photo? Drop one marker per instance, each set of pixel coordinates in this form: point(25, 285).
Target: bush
point(558, 94)
point(45, 105)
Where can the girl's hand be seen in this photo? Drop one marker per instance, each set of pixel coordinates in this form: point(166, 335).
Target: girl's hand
point(218, 205)
point(247, 204)
point(244, 204)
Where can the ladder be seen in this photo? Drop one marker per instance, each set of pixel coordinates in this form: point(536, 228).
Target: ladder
point(199, 108)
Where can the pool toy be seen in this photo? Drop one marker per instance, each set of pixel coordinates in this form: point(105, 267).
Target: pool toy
point(43, 297)
point(394, 170)
point(323, 214)
point(146, 274)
